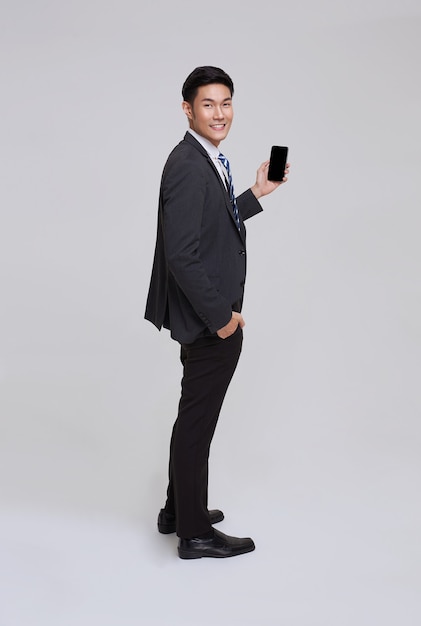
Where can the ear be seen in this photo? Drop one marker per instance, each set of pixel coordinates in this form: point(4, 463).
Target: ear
point(187, 109)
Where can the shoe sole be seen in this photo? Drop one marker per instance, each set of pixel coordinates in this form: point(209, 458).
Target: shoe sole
point(193, 554)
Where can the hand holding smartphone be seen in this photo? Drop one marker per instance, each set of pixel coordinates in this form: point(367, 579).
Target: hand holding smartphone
point(277, 163)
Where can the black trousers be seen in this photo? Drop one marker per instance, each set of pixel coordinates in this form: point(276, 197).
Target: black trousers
point(208, 366)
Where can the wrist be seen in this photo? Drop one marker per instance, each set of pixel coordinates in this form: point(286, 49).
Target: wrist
point(256, 191)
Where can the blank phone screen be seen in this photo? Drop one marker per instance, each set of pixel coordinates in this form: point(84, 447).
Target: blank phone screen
point(278, 160)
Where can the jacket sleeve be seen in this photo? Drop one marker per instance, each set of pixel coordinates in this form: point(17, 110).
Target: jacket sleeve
point(183, 192)
point(248, 205)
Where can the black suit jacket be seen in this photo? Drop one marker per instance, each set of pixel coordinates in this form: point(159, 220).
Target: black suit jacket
point(199, 267)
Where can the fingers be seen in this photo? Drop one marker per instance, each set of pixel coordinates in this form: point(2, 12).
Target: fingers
point(286, 173)
point(239, 318)
point(240, 321)
point(228, 330)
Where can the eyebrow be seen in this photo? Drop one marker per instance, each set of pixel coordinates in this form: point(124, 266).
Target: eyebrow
point(211, 100)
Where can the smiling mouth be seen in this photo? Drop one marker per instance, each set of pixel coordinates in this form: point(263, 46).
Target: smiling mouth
point(218, 126)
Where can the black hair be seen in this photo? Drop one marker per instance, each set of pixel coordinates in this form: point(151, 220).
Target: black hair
point(205, 75)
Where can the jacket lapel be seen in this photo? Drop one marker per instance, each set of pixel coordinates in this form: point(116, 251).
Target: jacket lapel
point(190, 139)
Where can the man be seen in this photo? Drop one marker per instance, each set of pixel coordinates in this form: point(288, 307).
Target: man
point(196, 291)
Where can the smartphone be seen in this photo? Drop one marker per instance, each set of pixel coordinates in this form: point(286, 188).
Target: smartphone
point(278, 160)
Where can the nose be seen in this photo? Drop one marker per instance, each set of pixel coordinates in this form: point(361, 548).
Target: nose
point(218, 112)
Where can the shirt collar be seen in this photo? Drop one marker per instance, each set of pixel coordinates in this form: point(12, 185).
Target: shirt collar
point(212, 150)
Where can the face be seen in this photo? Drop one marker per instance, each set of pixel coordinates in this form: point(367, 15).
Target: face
point(211, 113)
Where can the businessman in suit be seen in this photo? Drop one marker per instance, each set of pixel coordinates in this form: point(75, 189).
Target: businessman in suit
point(196, 292)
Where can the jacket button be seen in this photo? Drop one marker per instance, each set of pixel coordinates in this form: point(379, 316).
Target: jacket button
point(241, 252)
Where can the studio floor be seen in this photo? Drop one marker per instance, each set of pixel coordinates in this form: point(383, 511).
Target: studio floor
point(310, 568)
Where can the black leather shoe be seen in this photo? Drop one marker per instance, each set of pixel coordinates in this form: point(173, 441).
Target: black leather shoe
point(218, 546)
point(166, 522)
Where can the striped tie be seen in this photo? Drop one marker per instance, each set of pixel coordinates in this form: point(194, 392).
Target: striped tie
point(226, 165)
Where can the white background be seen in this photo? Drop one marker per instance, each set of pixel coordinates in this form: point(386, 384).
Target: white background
point(316, 455)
